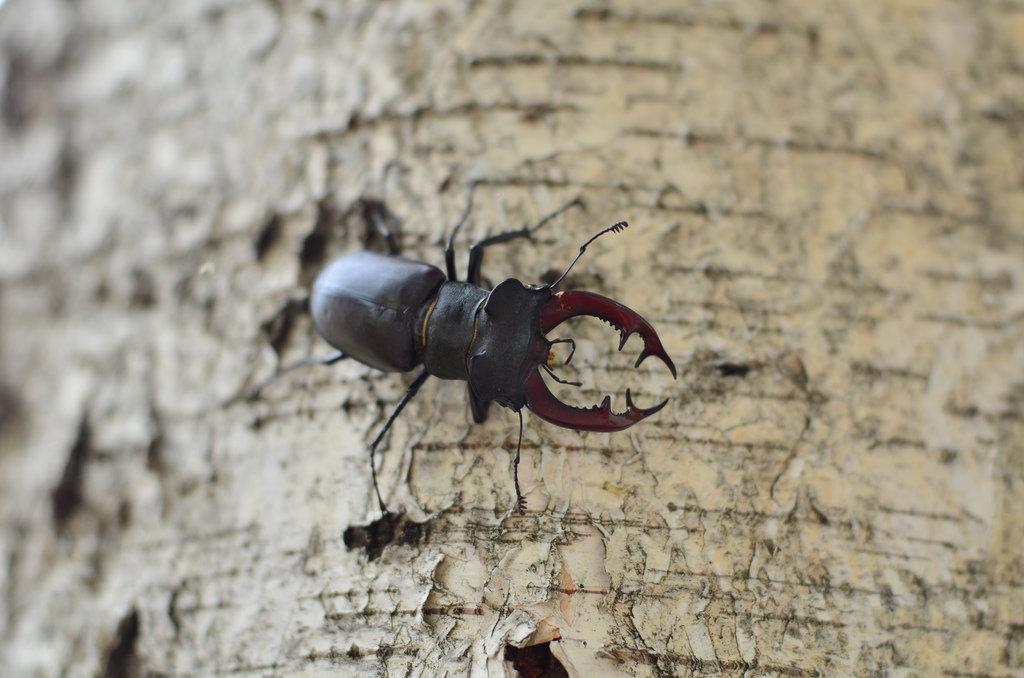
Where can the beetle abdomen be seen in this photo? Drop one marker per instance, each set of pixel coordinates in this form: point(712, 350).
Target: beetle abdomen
point(366, 304)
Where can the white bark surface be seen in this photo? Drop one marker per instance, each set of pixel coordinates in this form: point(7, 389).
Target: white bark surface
point(825, 203)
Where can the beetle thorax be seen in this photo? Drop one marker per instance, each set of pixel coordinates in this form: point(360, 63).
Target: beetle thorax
point(446, 332)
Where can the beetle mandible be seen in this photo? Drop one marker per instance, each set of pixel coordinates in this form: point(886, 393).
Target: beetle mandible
point(394, 313)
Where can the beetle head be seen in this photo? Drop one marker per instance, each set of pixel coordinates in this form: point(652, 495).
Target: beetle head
point(509, 347)
point(509, 343)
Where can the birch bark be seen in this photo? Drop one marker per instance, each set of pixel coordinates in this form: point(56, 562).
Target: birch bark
point(825, 205)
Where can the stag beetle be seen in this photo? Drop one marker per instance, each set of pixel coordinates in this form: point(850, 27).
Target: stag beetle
point(394, 313)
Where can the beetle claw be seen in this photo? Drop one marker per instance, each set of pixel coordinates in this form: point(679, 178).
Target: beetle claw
point(570, 304)
point(544, 404)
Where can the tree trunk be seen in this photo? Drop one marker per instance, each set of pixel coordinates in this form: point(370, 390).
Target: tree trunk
point(824, 203)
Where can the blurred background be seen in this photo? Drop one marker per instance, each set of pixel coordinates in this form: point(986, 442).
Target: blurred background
point(824, 203)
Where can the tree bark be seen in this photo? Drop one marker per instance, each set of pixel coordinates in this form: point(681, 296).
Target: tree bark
point(824, 203)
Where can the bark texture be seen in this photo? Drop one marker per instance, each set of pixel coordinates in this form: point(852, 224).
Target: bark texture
point(825, 203)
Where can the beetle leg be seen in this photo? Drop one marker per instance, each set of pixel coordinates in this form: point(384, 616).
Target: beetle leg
point(254, 392)
point(479, 406)
point(414, 387)
point(476, 252)
point(520, 499)
point(449, 249)
point(542, 402)
point(376, 213)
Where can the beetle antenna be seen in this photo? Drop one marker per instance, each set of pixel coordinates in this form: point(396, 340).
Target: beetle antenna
point(614, 228)
point(520, 500)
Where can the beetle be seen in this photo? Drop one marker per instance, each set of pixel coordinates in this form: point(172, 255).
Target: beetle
point(393, 314)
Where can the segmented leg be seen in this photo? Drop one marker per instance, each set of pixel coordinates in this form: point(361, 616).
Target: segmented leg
point(255, 391)
point(414, 387)
point(375, 213)
point(449, 249)
point(479, 406)
point(520, 499)
point(476, 252)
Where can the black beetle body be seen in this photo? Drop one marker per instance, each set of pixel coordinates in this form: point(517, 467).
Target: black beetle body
point(368, 305)
point(394, 313)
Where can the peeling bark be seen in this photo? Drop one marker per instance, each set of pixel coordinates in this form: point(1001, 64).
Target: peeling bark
point(824, 206)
